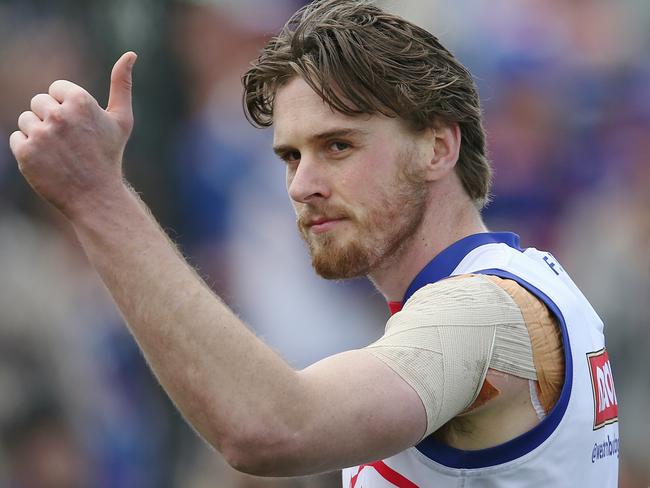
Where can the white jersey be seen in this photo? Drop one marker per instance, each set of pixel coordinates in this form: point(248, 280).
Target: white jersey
point(576, 444)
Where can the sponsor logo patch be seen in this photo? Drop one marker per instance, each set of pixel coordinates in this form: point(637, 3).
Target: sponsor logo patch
point(602, 383)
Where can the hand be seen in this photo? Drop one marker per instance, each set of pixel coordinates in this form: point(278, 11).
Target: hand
point(70, 149)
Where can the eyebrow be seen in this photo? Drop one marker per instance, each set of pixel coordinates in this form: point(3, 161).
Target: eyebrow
point(330, 134)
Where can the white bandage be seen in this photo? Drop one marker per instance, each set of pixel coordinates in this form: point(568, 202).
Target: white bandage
point(447, 336)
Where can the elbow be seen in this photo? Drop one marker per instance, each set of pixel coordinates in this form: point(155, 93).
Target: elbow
point(247, 461)
point(263, 453)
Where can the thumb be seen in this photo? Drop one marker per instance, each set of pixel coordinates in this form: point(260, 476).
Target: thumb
point(119, 97)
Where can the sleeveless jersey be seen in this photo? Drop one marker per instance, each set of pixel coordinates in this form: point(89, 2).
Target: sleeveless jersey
point(576, 444)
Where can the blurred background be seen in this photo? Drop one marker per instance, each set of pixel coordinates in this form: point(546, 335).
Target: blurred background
point(567, 105)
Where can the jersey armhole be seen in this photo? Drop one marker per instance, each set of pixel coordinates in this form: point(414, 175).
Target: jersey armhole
point(527, 442)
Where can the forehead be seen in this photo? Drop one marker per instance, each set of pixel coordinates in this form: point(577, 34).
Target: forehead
point(299, 112)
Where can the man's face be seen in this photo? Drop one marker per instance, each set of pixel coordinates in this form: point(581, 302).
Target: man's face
point(355, 182)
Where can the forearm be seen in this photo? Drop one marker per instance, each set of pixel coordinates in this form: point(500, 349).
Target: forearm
point(227, 383)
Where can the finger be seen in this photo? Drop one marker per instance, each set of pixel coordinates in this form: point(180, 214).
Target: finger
point(62, 89)
point(27, 121)
point(16, 141)
point(43, 105)
point(119, 98)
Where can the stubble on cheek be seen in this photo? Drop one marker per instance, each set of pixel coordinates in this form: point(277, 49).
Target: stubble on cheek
point(379, 232)
point(372, 237)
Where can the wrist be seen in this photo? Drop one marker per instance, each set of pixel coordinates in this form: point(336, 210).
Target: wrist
point(98, 203)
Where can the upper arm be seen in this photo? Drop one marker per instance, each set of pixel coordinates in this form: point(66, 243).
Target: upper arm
point(369, 404)
point(359, 410)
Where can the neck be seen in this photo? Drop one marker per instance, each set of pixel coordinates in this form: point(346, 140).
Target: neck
point(440, 228)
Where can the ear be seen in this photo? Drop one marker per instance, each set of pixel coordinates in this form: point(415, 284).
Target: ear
point(446, 140)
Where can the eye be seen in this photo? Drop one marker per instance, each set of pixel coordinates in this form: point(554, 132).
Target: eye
point(339, 146)
point(290, 157)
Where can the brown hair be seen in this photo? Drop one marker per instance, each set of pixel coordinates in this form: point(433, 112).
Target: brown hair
point(360, 59)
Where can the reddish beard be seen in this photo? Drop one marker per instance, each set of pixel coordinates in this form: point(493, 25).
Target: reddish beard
point(333, 259)
point(380, 233)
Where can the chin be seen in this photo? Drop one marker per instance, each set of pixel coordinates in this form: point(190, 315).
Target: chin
point(336, 272)
point(334, 262)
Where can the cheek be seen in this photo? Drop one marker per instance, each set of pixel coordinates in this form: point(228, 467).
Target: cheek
point(371, 160)
point(384, 160)
point(374, 176)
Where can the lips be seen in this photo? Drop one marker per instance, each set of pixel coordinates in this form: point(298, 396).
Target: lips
point(322, 224)
point(322, 220)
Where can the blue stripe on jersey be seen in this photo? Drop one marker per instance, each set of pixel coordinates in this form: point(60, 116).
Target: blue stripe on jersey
point(444, 263)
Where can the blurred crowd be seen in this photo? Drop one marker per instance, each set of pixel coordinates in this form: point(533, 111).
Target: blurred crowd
point(565, 87)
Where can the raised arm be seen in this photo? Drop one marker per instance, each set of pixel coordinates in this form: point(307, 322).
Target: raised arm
point(241, 397)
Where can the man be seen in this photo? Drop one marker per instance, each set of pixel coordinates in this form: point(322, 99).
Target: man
point(497, 376)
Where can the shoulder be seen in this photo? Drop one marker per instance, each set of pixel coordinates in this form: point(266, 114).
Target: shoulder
point(461, 300)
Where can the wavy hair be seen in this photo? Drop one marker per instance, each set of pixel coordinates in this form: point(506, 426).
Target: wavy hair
point(363, 60)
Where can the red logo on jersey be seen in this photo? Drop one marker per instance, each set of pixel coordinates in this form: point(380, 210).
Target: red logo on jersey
point(602, 382)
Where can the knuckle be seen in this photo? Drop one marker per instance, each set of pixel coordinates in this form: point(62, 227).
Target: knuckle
point(79, 98)
point(57, 116)
point(123, 81)
point(127, 124)
point(77, 95)
point(37, 133)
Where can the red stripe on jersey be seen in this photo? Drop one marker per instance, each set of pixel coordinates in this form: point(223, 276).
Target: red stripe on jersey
point(394, 307)
point(386, 472)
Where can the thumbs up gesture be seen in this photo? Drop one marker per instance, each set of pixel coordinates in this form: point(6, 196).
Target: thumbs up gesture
point(70, 149)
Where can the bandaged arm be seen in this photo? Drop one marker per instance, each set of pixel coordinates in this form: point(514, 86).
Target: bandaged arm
point(445, 338)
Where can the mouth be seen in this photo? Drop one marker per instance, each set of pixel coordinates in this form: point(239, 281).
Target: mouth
point(323, 224)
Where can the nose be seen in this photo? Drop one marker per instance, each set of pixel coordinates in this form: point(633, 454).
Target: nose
point(307, 181)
